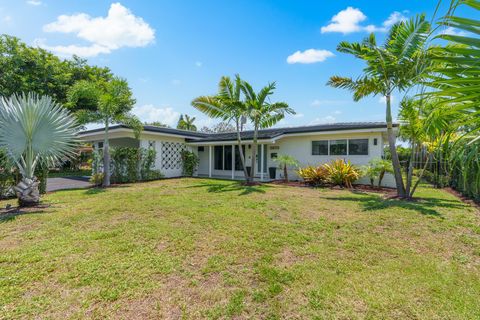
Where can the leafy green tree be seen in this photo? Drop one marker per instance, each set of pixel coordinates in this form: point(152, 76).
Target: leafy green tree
point(186, 123)
point(31, 69)
point(427, 126)
point(262, 113)
point(227, 105)
point(285, 161)
point(395, 66)
point(112, 103)
point(34, 129)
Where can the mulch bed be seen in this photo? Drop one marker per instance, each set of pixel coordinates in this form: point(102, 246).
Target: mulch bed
point(464, 199)
point(356, 187)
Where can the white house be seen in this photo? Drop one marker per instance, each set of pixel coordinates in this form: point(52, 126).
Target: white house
point(310, 145)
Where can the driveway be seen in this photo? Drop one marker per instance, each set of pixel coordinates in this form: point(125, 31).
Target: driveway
point(54, 184)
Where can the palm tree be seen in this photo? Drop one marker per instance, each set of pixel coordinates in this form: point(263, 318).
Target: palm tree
point(34, 129)
point(394, 66)
point(185, 122)
point(228, 106)
point(262, 113)
point(456, 76)
point(114, 101)
point(285, 161)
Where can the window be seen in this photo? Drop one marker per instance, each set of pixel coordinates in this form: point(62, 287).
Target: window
point(338, 147)
point(227, 157)
point(358, 147)
point(201, 149)
point(100, 145)
point(218, 158)
point(320, 148)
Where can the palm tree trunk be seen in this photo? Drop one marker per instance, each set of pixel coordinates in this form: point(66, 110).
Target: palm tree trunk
point(393, 150)
point(410, 169)
point(106, 158)
point(285, 173)
point(240, 149)
point(419, 178)
point(254, 152)
point(27, 192)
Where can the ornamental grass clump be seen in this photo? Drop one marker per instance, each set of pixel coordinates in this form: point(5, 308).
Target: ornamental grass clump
point(342, 173)
point(314, 176)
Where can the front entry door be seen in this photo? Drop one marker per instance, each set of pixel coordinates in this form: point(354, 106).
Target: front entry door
point(259, 157)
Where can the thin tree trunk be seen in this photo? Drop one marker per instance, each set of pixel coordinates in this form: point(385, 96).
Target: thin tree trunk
point(419, 178)
point(285, 172)
point(254, 152)
point(393, 150)
point(240, 149)
point(410, 169)
point(106, 158)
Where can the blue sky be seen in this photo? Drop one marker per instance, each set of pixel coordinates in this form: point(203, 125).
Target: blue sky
point(172, 51)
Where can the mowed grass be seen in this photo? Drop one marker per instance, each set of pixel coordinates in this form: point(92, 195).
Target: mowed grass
point(197, 248)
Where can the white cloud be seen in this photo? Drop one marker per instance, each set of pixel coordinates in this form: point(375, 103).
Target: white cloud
point(34, 2)
point(454, 32)
point(298, 115)
point(120, 28)
point(323, 120)
point(198, 64)
point(346, 21)
point(349, 20)
point(150, 113)
point(394, 18)
point(309, 56)
point(68, 51)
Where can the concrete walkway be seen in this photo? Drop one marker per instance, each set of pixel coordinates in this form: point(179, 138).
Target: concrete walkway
point(54, 184)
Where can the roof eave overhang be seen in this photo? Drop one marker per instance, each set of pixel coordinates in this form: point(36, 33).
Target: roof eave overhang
point(98, 135)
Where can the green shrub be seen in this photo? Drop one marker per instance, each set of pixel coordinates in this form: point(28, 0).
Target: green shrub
point(96, 179)
point(189, 162)
point(128, 164)
point(314, 176)
point(342, 173)
point(376, 169)
point(7, 176)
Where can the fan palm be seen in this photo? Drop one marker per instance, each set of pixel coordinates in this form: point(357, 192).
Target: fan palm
point(34, 129)
point(262, 113)
point(228, 106)
point(394, 66)
point(114, 101)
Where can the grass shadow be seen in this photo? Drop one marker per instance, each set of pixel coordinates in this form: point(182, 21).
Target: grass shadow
point(425, 206)
point(231, 187)
point(12, 214)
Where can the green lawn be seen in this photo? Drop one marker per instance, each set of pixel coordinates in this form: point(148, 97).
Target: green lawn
point(197, 248)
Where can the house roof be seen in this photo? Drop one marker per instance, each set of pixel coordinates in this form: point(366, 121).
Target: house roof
point(265, 134)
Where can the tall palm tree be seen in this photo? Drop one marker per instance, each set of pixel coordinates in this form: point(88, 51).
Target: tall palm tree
point(114, 100)
point(227, 105)
point(394, 66)
point(35, 129)
point(262, 113)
